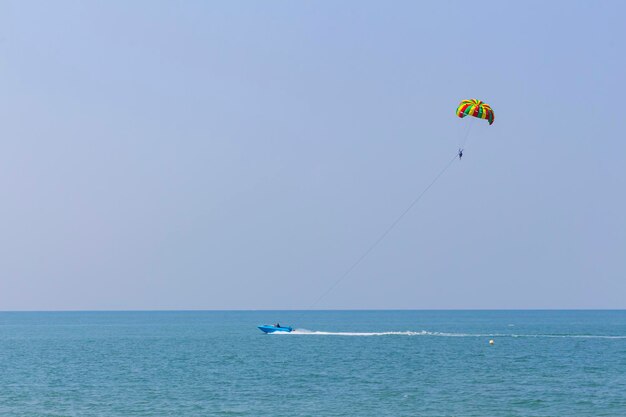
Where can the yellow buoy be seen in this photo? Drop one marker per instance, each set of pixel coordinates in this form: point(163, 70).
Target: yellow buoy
point(491, 342)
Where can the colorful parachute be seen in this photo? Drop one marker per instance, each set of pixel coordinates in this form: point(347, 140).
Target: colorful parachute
point(475, 108)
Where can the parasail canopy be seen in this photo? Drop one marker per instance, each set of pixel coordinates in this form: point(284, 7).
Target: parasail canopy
point(476, 108)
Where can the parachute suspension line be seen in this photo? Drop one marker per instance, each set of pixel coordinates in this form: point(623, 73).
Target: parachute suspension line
point(384, 234)
point(467, 132)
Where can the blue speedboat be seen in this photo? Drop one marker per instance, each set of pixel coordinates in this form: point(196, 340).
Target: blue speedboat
point(272, 328)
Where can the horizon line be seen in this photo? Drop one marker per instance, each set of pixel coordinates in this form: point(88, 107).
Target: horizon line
point(303, 310)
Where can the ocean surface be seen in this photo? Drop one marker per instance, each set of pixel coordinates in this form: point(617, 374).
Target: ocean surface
point(338, 363)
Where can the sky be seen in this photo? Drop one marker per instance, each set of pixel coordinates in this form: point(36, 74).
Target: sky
point(243, 155)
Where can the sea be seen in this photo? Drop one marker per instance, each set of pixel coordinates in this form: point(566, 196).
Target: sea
point(336, 363)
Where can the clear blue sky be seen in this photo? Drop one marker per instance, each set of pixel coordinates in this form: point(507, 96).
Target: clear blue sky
point(242, 155)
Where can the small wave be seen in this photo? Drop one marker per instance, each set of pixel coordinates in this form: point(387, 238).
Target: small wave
point(447, 334)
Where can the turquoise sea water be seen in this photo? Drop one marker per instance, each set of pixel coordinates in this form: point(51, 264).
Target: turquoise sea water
point(339, 363)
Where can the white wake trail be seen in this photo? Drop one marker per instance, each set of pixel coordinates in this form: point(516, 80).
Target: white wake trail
point(306, 332)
